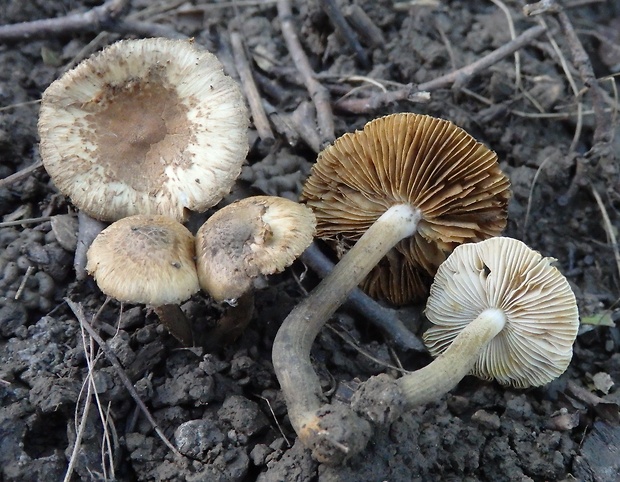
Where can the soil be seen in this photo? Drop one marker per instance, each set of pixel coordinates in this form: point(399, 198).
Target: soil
point(222, 408)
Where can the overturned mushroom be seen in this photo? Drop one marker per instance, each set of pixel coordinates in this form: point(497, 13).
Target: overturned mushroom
point(150, 126)
point(149, 260)
point(411, 182)
point(244, 241)
point(499, 311)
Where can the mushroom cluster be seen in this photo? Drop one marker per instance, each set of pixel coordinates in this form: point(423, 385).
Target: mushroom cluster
point(147, 131)
point(416, 187)
point(149, 127)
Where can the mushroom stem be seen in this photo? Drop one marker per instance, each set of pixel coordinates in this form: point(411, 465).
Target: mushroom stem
point(445, 372)
point(173, 318)
point(291, 348)
point(232, 324)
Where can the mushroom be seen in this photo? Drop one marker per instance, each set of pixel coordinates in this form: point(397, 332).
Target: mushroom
point(149, 126)
point(147, 259)
point(415, 183)
point(248, 239)
point(500, 311)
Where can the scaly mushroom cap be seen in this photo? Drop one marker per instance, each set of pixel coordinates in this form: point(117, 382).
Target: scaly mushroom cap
point(419, 160)
point(144, 259)
point(149, 126)
point(536, 343)
point(255, 236)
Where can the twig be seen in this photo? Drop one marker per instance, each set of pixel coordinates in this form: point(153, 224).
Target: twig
point(78, 311)
point(301, 120)
point(364, 105)
point(364, 26)
point(144, 29)
point(572, 83)
point(511, 28)
point(286, 440)
point(531, 195)
point(318, 93)
point(22, 285)
point(89, 349)
point(207, 8)
point(92, 20)
point(457, 78)
point(19, 104)
point(609, 228)
point(261, 122)
point(584, 65)
point(461, 76)
point(345, 30)
point(19, 175)
point(80, 430)
point(280, 124)
point(349, 341)
point(581, 60)
point(18, 222)
point(383, 318)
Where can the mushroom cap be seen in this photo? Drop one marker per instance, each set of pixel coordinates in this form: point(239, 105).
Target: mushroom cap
point(145, 259)
point(255, 236)
point(536, 344)
point(150, 126)
point(426, 162)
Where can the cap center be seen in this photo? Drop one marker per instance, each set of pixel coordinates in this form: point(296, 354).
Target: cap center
point(141, 129)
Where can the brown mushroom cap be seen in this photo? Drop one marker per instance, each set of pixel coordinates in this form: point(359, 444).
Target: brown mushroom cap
point(259, 235)
point(413, 159)
point(145, 259)
point(150, 126)
point(535, 345)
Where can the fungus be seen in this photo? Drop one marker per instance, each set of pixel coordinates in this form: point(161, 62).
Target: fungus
point(147, 259)
point(149, 126)
point(499, 311)
point(248, 239)
point(415, 183)
point(253, 237)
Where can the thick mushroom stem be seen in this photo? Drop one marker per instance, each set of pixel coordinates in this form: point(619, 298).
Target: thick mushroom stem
point(291, 349)
point(446, 371)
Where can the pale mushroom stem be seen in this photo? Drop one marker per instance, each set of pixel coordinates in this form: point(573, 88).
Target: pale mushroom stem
point(445, 372)
point(291, 348)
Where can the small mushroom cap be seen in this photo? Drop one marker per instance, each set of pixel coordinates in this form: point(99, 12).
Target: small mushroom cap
point(144, 259)
point(536, 343)
point(255, 236)
point(150, 126)
point(426, 162)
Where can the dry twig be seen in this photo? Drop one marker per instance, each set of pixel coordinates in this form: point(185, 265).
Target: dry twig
point(344, 29)
point(302, 121)
point(581, 60)
point(261, 122)
point(609, 228)
point(318, 93)
point(78, 311)
point(456, 79)
point(383, 318)
point(94, 19)
point(19, 175)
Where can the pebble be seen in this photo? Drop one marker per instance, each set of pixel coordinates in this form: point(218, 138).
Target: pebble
point(243, 415)
point(195, 437)
point(12, 316)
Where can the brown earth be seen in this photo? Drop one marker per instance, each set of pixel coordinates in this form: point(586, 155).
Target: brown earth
point(222, 409)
